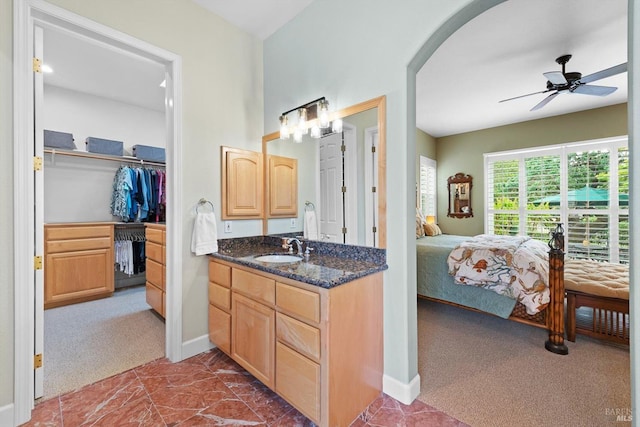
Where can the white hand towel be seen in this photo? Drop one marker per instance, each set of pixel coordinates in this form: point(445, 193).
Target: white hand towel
point(204, 239)
point(310, 225)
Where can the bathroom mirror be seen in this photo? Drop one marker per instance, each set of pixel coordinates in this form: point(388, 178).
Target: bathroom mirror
point(344, 187)
point(460, 186)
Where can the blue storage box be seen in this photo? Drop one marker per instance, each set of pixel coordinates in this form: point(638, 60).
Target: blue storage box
point(146, 152)
point(104, 146)
point(55, 139)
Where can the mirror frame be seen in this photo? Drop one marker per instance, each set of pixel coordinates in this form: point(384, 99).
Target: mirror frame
point(453, 181)
point(381, 104)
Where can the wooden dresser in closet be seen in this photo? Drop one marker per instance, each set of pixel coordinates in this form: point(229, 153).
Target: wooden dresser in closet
point(155, 268)
point(78, 262)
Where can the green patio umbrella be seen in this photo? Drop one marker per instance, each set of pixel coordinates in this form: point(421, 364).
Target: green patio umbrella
point(585, 196)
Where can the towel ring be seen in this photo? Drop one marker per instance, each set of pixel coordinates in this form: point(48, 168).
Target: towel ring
point(309, 206)
point(203, 202)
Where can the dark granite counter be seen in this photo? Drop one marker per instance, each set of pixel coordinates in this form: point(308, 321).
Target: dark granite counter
point(328, 266)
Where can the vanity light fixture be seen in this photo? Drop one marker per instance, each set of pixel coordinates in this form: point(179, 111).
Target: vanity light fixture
point(313, 117)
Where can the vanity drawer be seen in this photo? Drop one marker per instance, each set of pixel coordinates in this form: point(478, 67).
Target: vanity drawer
point(301, 337)
point(77, 232)
point(155, 298)
point(254, 286)
point(220, 296)
point(220, 274)
point(220, 328)
point(154, 252)
point(298, 381)
point(299, 302)
point(79, 244)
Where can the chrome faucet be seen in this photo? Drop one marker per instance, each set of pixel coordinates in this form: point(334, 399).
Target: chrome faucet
point(292, 240)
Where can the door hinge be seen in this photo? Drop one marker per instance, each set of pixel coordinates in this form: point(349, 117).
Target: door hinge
point(37, 361)
point(344, 189)
point(343, 148)
point(37, 262)
point(37, 65)
point(344, 230)
point(374, 229)
point(373, 148)
point(373, 189)
point(37, 163)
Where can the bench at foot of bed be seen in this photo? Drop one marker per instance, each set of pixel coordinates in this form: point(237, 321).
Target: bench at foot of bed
point(604, 288)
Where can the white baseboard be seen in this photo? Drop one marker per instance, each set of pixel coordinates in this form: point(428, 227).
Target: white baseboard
point(6, 415)
point(404, 393)
point(196, 346)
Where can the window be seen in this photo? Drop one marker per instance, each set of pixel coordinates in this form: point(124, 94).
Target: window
point(584, 186)
point(428, 188)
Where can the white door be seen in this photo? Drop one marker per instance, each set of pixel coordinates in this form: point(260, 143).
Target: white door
point(38, 152)
point(331, 206)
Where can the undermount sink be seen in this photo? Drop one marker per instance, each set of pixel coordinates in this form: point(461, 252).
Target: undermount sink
point(278, 258)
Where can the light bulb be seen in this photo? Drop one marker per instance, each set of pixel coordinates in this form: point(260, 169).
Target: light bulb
point(336, 126)
point(315, 132)
point(284, 129)
point(323, 115)
point(302, 120)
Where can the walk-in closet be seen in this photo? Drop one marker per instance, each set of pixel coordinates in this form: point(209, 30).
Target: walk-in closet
point(104, 211)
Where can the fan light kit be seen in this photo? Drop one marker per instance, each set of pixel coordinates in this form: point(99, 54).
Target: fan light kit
point(313, 115)
point(560, 82)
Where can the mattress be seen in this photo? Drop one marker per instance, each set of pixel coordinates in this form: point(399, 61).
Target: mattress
point(434, 280)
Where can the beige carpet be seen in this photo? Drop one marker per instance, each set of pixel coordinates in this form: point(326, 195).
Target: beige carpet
point(86, 342)
point(486, 371)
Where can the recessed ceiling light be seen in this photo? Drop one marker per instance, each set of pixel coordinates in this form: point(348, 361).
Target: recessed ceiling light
point(46, 68)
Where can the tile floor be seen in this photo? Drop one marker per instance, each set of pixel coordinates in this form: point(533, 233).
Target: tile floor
point(209, 389)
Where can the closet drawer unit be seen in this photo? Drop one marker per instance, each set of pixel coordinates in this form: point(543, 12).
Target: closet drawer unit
point(257, 287)
point(68, 232)
point(220, 274)
point(220, 328)
point(155, 273)
point(220, 296)
point(298, 381)
point(299, 336)
point(155, 235)
point(298, 302)
point(155, 298)
point(78, 244)
point(154, 252)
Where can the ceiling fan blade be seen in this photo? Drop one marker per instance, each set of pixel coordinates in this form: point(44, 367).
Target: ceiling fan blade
point(556, 77)
point(594, 90)
point(522, 96)
point(617, 69)
point(545, 101)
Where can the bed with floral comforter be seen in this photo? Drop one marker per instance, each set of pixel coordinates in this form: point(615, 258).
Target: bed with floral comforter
point(514, 266)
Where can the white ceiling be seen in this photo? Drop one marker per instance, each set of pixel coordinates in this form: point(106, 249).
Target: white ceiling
point(500, 54)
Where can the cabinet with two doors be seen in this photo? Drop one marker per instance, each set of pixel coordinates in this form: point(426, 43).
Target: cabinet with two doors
point(320, 349)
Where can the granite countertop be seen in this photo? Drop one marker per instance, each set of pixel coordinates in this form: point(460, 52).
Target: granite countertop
point(328, 266)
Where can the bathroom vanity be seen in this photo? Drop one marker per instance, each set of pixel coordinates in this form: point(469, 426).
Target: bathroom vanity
point(309, 329)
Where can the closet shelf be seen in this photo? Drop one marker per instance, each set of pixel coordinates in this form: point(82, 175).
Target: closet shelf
point(88, 155)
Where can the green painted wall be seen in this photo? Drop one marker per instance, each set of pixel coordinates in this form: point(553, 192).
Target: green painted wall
point(464, 152)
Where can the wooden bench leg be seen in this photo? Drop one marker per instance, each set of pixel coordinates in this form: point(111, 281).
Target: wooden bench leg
point(571, 316)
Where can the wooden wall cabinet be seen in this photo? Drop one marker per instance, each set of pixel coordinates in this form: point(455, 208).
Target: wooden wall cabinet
point(78, 263)
point(320, 349)
point(242, 184)
point(282, 186)
point(155, 267)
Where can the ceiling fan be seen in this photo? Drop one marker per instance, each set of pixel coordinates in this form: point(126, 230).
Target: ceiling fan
point(573, 82)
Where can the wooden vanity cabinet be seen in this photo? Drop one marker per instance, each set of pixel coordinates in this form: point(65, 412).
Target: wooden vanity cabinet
point(320, 349)
point(242, 184)
point(78, 263)
point(155, 266)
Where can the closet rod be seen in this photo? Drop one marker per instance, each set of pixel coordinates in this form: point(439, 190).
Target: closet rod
point(102, 157)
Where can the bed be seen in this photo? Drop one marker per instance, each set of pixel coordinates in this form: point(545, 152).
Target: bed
point(435, 283)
